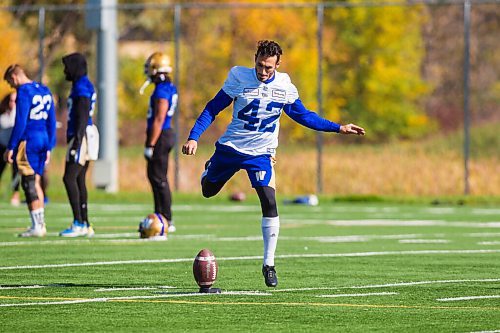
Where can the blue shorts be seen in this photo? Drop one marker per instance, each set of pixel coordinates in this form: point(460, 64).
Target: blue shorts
point(224, 163)
point(30, 158)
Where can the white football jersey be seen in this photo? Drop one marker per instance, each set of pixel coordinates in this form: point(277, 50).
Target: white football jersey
point(257, 107)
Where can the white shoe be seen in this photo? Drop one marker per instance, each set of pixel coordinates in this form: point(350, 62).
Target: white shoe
point(90, 231)
point(171, 228)
point(77, 229)
point(34, 232)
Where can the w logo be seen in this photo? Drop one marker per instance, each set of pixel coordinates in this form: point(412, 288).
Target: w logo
point(260, 175)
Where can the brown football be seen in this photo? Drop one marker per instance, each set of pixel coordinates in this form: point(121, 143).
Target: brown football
point(205, 268)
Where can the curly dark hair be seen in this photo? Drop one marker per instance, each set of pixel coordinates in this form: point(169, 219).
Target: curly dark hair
point(268, 48)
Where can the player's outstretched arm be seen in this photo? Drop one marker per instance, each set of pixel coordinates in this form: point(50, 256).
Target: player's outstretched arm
point(189, 148)
point(351, 129)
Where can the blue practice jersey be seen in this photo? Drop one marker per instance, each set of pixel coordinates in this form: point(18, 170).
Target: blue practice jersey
point(81, 88)
point(257, 109)
point(168, 91)
point(35, 118)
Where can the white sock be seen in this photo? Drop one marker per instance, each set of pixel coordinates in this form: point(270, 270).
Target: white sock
point(270, 232)
point(37, 218)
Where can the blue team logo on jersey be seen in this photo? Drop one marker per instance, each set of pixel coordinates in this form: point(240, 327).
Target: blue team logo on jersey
point(251, 92)
point(278, 93)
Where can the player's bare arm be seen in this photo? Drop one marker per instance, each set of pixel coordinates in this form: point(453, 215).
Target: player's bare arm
point(352, 129)
point(161, 106)
point(189, 148)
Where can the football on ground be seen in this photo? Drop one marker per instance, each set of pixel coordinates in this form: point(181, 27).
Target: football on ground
point(238, 196)
point(205, 269)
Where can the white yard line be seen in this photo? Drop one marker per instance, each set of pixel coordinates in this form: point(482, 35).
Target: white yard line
point(466, 298)
point(489, 243)
point(22, 287)
point(359, 295)
point(424, 241)
point(398, 284)
point(414, 283)
point(127, 237)
point(414, 223)
point(126, 289)
point(306, 255)
point(126, 298)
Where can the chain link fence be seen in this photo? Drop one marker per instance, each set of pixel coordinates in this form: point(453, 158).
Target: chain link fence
point(418, 71)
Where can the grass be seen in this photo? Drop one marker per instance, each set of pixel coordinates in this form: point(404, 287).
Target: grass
point(353, 267)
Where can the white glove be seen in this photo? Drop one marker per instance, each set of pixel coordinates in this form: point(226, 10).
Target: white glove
point(148, 152)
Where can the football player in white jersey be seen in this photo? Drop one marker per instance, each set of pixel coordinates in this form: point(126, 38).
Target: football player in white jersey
point(259, 96)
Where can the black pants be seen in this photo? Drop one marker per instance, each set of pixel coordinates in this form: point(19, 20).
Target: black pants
point(157, 169)
point(74, 181)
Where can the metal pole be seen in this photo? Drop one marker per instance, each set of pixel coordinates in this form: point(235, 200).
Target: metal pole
point(467, 10)
point(107, 73)
point(177, 34)
point(319, 135)
point(41, 37)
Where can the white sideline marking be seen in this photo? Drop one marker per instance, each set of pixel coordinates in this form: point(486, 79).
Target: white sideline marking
point(133, 237)
point(495, 331)
point(125, 298)
point(404, 284)
point(486, 211)
point(466, 298)
point(414, 223)
point(359, 295)
point(54, 303)
point(23, 287)
point(305, 255)
point(424, 241)
point(134, 288)
point(489, 243)
point(399, 284)
point(483, 234)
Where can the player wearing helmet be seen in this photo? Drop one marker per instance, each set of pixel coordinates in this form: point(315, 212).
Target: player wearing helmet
point(259, 95)
point(160, 136)
point(31, 141)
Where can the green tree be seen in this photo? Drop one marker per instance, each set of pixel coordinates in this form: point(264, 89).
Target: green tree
point(375, 61)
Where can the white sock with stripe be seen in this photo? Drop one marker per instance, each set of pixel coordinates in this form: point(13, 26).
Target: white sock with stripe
point(37, 218)
point(270, 233)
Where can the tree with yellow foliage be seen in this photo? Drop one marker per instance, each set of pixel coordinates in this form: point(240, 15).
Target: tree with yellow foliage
point(11, 40)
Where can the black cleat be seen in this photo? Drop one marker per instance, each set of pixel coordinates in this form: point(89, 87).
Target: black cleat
point(270, 276)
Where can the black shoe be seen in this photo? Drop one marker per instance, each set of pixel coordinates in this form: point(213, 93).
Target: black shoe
point(270, 276)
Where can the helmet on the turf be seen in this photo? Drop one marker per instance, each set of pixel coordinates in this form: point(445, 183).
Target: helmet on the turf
point(153, 226)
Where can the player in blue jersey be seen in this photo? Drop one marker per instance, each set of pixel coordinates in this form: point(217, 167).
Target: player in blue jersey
point(160, 136)
point(32, 139)
point(81, 103)
point(259, 95)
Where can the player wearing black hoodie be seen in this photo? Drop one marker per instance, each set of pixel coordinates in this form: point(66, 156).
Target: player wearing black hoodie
point(81, 102)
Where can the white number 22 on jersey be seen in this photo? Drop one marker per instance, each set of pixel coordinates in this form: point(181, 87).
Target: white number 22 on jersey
point(41, 107)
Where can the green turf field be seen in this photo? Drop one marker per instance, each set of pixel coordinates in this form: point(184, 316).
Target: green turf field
point(342, 268)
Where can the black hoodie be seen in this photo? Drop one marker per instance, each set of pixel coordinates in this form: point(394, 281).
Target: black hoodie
point(75, 66)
